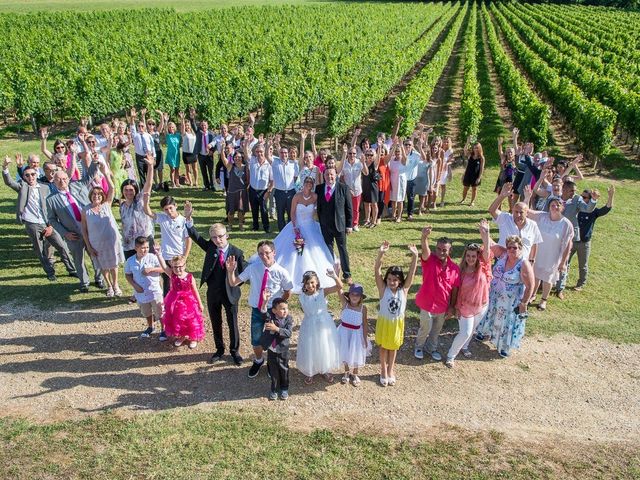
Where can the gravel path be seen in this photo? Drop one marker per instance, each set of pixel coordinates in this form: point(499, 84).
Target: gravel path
point(71, 363)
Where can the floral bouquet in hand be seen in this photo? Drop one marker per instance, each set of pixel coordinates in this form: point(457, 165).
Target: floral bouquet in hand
point(298, 242)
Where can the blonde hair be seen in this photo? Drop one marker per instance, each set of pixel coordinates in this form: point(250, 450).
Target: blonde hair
point(178, 258)
point(217, 226)
point(514, 239)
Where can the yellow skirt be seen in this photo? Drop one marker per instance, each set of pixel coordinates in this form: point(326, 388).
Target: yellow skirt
point(389, 333)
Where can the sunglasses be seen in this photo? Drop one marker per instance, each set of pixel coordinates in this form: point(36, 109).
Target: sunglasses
point(29, 175)
point(60, 147)
point(513, 247)
point(473, 246)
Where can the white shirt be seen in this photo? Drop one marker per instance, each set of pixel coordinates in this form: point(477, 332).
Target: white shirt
point(221, 141)
point(33, 209)
point(284, 174)
point(530, 234)
point(278, 281)
point(260, 175)
point(142, 142)
point(149, 283)
point(413, 159)
point(188, 142)
point(172, 235)
point(351, 174)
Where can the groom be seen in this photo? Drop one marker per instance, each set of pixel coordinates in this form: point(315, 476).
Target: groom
point(334, 214)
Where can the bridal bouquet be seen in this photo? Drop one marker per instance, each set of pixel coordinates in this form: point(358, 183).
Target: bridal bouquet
point(298, 242)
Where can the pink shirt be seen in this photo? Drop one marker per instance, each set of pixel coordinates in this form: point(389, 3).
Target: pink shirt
point(319, 163)
point(437, 283)
point(473, 294)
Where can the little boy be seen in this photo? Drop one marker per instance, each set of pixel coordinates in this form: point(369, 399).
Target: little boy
point(143, 274)
point(275, 340)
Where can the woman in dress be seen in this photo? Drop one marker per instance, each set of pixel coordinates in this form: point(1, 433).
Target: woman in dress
point(351, 175)
point(189, 157)
point(237, 197)
point(318, 342)
point(384, 182)
point(473, 172)
point(423, 184)
point(173, 140)
point(446, 170)
point(553, 252)
point(305, 162)
point(398, 174)
point(510, 289)
point(370, 191)
point(101, 235)
point(300, 246)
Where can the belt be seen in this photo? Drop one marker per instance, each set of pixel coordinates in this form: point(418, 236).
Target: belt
point(352, 327)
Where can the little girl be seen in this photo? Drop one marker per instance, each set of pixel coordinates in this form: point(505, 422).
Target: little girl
point(182, 316)
point(393, 289)
point(352, 333)
point(318, 351)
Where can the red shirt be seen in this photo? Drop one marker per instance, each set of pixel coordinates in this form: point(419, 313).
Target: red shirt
point(437, 283)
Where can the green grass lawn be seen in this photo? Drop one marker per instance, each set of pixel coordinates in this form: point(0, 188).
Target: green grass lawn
point(26, 6)
point(223, 444)
point(607, 308)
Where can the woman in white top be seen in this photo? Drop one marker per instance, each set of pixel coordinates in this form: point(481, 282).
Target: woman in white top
point(189, 157)
point(447, 172)
point(350, 174)
point(398, 172)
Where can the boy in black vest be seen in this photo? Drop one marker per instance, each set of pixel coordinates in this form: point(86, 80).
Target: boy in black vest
point(275, 340)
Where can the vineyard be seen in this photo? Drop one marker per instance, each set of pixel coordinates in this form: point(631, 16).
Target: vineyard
point(581, 64)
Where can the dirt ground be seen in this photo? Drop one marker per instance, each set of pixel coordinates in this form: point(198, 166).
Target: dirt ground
point(67, 364)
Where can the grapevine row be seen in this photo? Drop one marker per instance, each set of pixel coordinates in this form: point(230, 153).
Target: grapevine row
point(224, 62)
point(529, 113)
point(570, 63)
point(592, 122)
point(412, 102)
point(470, 111)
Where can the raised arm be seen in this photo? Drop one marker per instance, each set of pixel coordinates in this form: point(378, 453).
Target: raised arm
point(337, 288)
point(312, 134)
point(107, 176)
point(377, 268)
point(354, 137)
point(396, 127)
point(573, 165)
point(232, 265)
point(515, 133)
point(8, 181)
point(146, 191)
point(183, 126)
point(424, 242)
point(487, 243)
point(494, 208)
point(165, 268)
point(412, 268)
point(303, 138)
point(44, 133)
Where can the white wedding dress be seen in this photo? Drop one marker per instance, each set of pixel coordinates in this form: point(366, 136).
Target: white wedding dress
point(315, 256)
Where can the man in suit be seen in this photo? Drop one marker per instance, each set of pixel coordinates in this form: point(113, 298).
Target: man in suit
point(64, 214)
point(205, 142)
point(31, 211)
point(219, 293)
point(336, 216)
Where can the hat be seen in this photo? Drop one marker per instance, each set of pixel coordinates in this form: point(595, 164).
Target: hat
point(357, 289)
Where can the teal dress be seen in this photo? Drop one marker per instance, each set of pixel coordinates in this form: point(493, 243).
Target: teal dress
point(172, 158)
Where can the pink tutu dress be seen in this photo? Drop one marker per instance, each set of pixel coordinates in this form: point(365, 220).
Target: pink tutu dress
point(182, 314)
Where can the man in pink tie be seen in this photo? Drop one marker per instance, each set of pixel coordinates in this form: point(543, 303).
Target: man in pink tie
point(64, 215)
point(335, 214)
point(262, 275)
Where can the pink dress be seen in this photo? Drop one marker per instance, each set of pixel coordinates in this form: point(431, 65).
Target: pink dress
point(182, 314)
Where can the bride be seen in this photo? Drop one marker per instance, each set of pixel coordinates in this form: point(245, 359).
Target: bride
point(314, 254)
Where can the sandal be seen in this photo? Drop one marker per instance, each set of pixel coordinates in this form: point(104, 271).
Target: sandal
point(542, 306)
point(179, 342)
point(308, 380)
point(345, 378)
point(391, 381)
point(355, 380)
point(193, 344)
point(383, 381)
point(117, 292)
point(328, 377)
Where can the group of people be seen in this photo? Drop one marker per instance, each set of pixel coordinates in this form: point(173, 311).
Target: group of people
point(67, 207)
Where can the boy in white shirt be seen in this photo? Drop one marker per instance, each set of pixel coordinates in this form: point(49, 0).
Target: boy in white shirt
point(143, 274)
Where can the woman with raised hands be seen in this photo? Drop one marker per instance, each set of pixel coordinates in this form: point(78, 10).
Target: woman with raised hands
point(398, 175)
point(474, 170)
point(189, 157)
point(305, 162)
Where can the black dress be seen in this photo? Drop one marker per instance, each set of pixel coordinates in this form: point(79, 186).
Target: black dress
point(370, 191)
point(472, 173)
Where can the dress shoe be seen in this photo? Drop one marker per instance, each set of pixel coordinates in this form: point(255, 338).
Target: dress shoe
point(216, 356)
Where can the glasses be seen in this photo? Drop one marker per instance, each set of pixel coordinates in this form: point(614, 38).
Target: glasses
point(473, 246)
point(352, 153)
point(29, 175)
point(177, 266)
point(60, 147)
point(368, 154)
point(220, 237)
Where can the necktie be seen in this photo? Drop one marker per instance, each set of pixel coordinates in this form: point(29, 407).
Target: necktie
point(221, 257)
point(204, 143)
point(327, 196)
point(74, 206)
point(265, 277)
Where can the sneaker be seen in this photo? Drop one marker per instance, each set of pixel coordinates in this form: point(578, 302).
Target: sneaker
point(355, 380)
point(284, 394)
point(255, 369)
point(73, 274)
point(436, 356)
point(237, 359)
point(467, 353)
point(578, 288)
point(479, 337)
point(418, 353)
point(99, 284)
point(147, 333)
point(193, 344)
point(163, 336)
point(449, 363)
point(356, 228)
point(178, 342)
point(165, 186)
point(52, 278)
point(117, 292)
point(273, 395)
point(216, 356)
point(345, 378)
point(503, 354)
point(109, 293)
